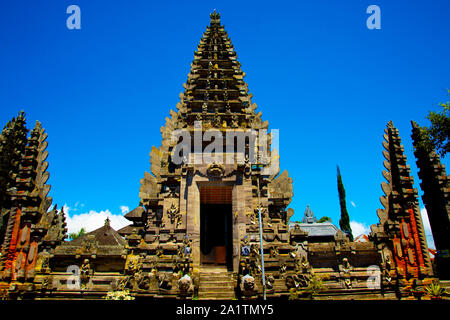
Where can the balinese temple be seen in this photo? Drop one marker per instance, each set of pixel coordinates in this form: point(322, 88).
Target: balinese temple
point(204, 210)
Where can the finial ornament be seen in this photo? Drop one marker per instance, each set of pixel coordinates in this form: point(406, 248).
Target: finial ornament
point(308, 216)
point(215, 15)
point(390, 124)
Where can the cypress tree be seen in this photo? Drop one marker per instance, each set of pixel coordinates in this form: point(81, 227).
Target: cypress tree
point(344, 222)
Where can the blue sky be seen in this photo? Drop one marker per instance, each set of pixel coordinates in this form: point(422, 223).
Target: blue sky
point(317, 73)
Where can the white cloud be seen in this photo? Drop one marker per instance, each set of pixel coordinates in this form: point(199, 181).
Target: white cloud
point(66, 209)
point(93, 220)
point(353, 204)
point(427, 228)
point(359, 228)
point(77, 206)
point(124, 209)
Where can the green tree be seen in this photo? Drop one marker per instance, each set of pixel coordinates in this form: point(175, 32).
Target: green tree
point(324, 219)
point(344, 222)
point(437, 134)
point(78, 234)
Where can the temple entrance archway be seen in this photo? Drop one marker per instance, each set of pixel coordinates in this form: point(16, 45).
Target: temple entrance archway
point(216, 240)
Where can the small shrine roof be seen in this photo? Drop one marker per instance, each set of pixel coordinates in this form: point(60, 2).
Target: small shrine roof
point(135, 213)
point(324, 229)
point(105, 235)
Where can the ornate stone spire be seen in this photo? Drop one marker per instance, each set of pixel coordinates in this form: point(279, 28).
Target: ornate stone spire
point(215, 94)
point(436, 194)
point(13, 140)
point(29, 203)
point(400, 226)
point(215, 83)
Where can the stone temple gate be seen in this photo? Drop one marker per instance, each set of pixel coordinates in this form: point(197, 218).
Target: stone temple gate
point(213, 203)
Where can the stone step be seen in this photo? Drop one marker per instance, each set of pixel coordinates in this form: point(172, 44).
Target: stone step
point(217, 292)
point(215, 279)
point(215, 284)
point(226, 298)
point(216, 289)
point(216, 295)
point(207, 284)
point(211, 271)
point(213, 274)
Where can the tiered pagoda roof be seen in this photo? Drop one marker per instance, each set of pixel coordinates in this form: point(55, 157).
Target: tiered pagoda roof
point(215, 90)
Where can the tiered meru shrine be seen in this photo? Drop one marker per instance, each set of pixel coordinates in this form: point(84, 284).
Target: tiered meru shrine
point(196, 231)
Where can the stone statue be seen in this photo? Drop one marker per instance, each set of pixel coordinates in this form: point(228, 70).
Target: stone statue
point(187, 247)
point(85, 272)
point(164, 281)
point(346, 267)
point(290, 282)
point(273, 252)
point(245, 246)
point(185, 286)
point(85, 268)
point(248, 286)
point(142, 281)
point(269, 282)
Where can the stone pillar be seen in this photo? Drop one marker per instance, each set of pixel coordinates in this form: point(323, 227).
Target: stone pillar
point(237, 210)
point(193, 220)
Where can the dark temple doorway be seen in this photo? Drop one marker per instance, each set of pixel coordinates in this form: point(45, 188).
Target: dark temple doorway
point(216, 226)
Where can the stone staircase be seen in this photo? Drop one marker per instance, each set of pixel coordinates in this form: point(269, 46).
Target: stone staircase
point(216, 283)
